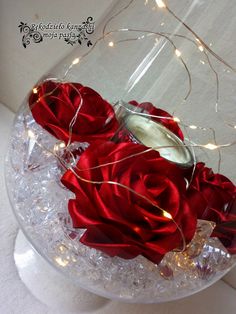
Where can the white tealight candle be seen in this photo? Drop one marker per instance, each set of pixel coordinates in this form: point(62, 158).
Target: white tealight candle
point(154, 134)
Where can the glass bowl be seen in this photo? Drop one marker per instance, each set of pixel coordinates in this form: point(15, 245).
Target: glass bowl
point(145, 51)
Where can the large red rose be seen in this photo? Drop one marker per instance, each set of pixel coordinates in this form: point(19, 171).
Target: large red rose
point(210, 193)
point(163, 117)
point(55, 105)
point(120, 222)
point(213, 197)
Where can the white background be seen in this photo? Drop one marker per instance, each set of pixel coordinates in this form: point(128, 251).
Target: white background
point(21, 67)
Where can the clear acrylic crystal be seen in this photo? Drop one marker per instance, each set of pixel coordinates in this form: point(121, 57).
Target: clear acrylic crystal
point(203, 233)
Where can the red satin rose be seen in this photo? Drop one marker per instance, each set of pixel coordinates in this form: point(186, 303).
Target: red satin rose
point(226, 229)
point(213, 197)
point(210, 193)
point(164, 120)
point(119, 222)
point(55, 105)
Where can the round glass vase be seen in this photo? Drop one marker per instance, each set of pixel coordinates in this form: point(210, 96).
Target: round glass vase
point(163, 53)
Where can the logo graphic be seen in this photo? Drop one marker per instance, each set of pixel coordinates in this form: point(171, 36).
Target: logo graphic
point(86, 28)
point(29, 34)
point(71, 33)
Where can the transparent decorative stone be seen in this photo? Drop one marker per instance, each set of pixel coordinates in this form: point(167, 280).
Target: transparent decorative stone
point(214, 255)
point(203, 233)
point(166, 271)
point(69, 154)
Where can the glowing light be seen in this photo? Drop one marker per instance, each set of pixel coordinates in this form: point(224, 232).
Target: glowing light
point(35, 90)
point(137, 229)
point(62, 145)
point(176, 119)
point(177, 52)
point(202, 62)
point(235, 126)
point(31, 134)
point(58, 146)
point(111, 44)
point(62, 248)
point(75, 61)
point(160, 4)
point(211, 146)
point(194, 127)
point(73, 259)
point(167, 215)
point(61, 261)
point(201, 48)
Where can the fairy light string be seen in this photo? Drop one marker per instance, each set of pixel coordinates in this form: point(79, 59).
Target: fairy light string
point(144, 114)
point(176, 51)
point(208, 146)
point(160, 4)
point(200, 40)
point(199, 44)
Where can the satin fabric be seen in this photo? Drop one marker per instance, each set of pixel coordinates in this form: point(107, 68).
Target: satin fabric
point(55, 104)
point(213, 197)
point(119, 222)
